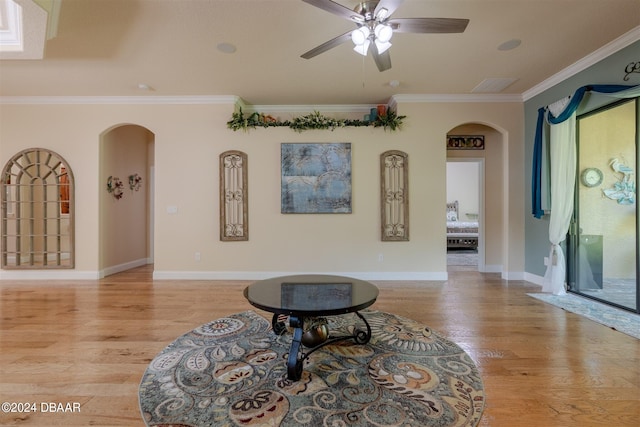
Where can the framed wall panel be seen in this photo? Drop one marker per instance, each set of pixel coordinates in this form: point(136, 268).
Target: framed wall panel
point(234, 203)
point(394, 197)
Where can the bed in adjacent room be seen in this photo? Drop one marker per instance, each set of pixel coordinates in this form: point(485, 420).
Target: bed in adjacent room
point(460, 233)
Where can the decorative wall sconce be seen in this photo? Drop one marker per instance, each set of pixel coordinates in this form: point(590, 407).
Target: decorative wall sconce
point(135, 182)
point(114, 187)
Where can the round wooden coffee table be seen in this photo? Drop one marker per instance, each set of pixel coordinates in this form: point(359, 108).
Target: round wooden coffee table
point(306, 298)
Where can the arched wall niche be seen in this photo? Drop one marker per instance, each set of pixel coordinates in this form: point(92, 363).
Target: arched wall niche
point(126, 219)
point(490, 166)
point(38, 211)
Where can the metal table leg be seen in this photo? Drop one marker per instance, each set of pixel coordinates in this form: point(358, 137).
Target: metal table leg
point(297, 357)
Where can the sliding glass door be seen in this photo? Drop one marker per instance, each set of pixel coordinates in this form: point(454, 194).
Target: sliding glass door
point(603, 242)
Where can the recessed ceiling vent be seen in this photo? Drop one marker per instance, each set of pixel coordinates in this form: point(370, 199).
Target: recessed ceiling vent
point(494, 85)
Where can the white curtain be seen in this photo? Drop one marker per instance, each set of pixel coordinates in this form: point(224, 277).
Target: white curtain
point(562, 154)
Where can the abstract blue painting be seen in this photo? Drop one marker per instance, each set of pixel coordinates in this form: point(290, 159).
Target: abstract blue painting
point(316, 178)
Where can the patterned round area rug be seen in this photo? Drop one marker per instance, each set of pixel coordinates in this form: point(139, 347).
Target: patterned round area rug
point(232, 372)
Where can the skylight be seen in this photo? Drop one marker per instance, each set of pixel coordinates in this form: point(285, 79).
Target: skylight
point(25, 26)
point(10, 27)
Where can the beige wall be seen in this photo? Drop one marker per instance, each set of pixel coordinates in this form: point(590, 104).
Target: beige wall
point(188, 141)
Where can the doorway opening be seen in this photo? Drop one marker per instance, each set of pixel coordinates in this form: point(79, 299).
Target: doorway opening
point(479, 173)
point(126, 216)
point(465, 183)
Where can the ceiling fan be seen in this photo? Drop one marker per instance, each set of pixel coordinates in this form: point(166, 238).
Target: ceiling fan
point(376, 27)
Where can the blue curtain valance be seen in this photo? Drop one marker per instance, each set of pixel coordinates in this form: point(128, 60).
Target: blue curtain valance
point(574, 103)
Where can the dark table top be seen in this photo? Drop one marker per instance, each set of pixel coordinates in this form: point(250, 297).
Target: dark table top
point(311, 295)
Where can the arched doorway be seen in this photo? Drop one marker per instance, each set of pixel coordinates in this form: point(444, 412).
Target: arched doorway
point(480, 173)
point(126, 198)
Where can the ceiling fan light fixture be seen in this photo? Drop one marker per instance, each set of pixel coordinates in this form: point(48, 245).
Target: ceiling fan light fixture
point(382, 46)
point(360, 35)
point(363, 48)
point(382, 14)
point(383, 33)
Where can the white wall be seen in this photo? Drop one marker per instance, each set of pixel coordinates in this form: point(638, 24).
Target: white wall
point(462, 185)
point(188, 141)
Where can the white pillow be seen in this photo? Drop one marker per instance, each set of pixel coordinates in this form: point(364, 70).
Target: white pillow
point(452, 216)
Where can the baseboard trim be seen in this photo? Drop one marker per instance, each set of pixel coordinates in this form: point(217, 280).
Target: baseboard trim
point(51, 275)
point(260, 275)
point(242, 275)
point(123, 267)
point(534, 278)
point(491, 268)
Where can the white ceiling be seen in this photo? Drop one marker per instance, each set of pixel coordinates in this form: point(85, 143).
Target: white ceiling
point(110, 47)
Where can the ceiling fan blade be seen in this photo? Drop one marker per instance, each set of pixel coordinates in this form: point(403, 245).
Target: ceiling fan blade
point(327, 45)
point(383, 60)
point(390, 5)
point(333, 7)
point(428, 25)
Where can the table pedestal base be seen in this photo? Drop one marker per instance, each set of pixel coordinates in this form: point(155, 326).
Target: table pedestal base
point(297, 355)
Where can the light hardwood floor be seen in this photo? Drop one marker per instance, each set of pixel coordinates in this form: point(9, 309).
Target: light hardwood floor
point(90, 342)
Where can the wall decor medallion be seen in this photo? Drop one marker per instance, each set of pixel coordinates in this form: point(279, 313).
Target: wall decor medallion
point(114, 187)
point(316, 178)
point(465, 142)
point(394, 196)
point(135, 182)
point(234, 203)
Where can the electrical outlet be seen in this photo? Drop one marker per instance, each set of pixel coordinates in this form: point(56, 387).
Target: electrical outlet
point(197, 256)
point(380, 257)
point(546, 260)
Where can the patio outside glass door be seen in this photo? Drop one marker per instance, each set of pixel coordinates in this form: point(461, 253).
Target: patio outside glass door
point(603, 242)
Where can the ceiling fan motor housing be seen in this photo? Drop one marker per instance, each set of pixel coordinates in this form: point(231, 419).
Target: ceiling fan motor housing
point(367, 9)
point(367, 14)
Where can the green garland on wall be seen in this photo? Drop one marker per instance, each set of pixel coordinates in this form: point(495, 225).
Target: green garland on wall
point(315, 120)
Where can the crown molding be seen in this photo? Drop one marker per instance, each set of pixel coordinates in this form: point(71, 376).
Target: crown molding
point(337, 108)
point(120, 100)
point(236, 100)
point(436, 98)
point(181, 100)
point(605, 51)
